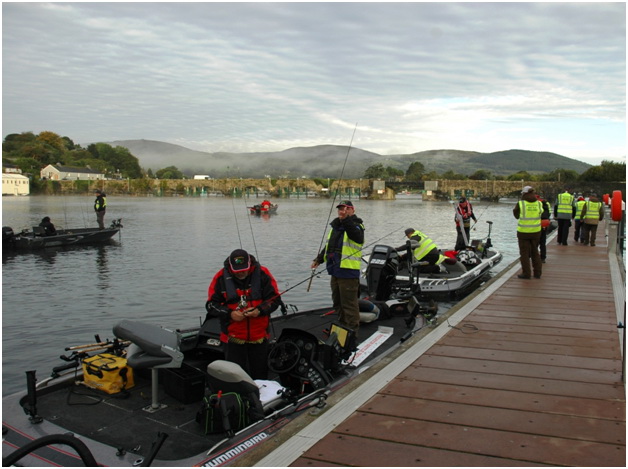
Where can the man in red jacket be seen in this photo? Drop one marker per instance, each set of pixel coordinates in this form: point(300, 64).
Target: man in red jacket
point(242, 295)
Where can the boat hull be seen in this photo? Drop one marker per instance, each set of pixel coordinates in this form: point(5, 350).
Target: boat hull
point(74, 237)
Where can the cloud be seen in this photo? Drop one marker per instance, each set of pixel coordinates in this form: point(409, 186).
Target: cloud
point(269, 76)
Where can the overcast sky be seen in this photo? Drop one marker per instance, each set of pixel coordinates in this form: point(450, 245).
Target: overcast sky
point(270, 76)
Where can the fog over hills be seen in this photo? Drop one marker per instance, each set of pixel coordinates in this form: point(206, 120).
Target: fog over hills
point(327, 161)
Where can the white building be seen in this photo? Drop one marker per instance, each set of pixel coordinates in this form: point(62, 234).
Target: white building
point(202, 176)
point(56, 172)
point(15, 184)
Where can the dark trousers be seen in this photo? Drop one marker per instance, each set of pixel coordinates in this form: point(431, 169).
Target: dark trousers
point(460, 240)
point(253, 358)
point(344, 294)
point(589, 233)
point(563, 231)
point(529, 252)
point(578, 234)
point(100, 218)
point(542, 243)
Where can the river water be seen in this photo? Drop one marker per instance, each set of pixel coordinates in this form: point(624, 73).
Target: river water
point(159, 269)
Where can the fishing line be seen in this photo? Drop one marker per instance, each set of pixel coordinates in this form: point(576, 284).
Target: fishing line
point(251, 227)
point(331, 208)
point(235, 215)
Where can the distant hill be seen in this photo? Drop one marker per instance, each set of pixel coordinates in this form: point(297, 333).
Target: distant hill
point(327, 161)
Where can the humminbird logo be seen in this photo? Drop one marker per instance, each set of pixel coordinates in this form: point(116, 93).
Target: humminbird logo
point(236, 451)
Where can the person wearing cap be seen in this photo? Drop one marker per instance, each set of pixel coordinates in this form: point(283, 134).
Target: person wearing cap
point(592, 214)
point(464, 211)
point(100, 207)
point(47, 225)
point(243, 294)
point(578, 230)
point(529, 212)
point(343, 255)
point(564, 211)
point(424, 251)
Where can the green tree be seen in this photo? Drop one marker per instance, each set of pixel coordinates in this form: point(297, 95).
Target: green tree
point(415, 171)
point(481, 174)
point(171, 172)
point(607, 171)
point(453, 176)
point(376, 171)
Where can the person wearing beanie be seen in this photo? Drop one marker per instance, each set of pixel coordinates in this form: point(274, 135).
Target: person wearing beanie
point(47, 225)
point(243, 294)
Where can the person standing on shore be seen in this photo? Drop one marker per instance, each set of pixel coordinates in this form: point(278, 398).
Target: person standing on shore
point(529, 211)
point(564, 211)
point(100, 207)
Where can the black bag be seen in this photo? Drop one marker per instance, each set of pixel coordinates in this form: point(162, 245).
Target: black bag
point(223, 413)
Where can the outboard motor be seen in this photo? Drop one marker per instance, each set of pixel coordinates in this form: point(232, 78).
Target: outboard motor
point(381, 271)
point(8, 237)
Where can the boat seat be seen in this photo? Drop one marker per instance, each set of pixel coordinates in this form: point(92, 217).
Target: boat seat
point(152, 347)
point(39, 231)
point(226, 376)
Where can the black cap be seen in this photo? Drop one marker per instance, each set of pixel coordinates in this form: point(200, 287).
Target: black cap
point(239, 261)
point(345, 203)
point(409, 231)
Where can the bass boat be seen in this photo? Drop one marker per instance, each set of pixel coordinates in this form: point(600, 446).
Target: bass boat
point(154, 395)
point(386, 276)
point(35, 239)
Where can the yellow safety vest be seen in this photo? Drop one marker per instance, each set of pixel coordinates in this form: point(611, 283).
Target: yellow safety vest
point(529, 216)
point(593, 211)
point(425, 246)
point(565, 204)
point(351, 255)
point(579, 206)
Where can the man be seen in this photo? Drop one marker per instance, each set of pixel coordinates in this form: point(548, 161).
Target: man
point(48, 226)
point(100, 206)
point(529, 211)
point(592, 214)
point(242, 295)
point(545, 223)
point(564, 211)
point(578, 230)
point(464, 213)
point(343, 255)
point(423, 250)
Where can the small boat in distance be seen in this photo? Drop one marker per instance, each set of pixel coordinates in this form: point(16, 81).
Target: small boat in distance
point(35, 239)
point(265, 208)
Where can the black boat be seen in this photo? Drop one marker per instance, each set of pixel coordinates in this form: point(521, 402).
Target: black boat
point(263, 209)
point(170, 380)
point(35, 239)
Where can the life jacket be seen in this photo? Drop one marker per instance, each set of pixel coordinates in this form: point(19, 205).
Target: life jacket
point(529, 216)
point(350, 254)
point(465, 211)
point(250, 329)
point(425, 247)
point(564, 202)
point(579, 206)
point(593, 211)
point(100, 203)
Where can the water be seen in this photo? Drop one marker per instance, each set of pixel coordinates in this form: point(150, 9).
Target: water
point(170, 248)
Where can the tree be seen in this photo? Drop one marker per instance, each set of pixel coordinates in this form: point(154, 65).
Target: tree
point(53, 140)
point(376, 171)
point(481, 174)
point(607, 171)
point(453, 176)
point(171, 172)
point(415, 171)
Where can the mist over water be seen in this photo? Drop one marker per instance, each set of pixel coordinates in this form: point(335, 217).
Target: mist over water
point(160, 267)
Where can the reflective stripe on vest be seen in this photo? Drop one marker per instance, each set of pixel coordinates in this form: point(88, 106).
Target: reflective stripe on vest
point(529, 216)
point(593, 211)
point(351, 254)
point(565, 204)
point(425, 246)
point(579, 206)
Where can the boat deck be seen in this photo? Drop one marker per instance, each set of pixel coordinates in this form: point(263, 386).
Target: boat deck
point(524, 373)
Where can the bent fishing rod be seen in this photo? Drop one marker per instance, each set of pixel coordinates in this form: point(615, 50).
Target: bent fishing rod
point(280, 294)
point(331, 208)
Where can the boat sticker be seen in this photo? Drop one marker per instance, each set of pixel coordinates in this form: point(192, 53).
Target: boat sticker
point(369, 345)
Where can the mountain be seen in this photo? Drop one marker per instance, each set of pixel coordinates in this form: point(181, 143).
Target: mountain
point(328, 160)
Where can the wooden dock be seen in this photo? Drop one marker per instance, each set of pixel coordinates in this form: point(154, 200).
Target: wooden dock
point(524, 373)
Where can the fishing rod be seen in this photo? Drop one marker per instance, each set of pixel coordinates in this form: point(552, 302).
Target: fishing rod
point(331, 208)
point(251, 227)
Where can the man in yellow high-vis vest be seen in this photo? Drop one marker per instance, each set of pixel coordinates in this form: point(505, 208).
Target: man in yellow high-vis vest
point(592, 214)
point(529, 212)
point(343, 257)
point(564, 211)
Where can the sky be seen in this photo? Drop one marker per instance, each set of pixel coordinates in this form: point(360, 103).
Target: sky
point(391, 78)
